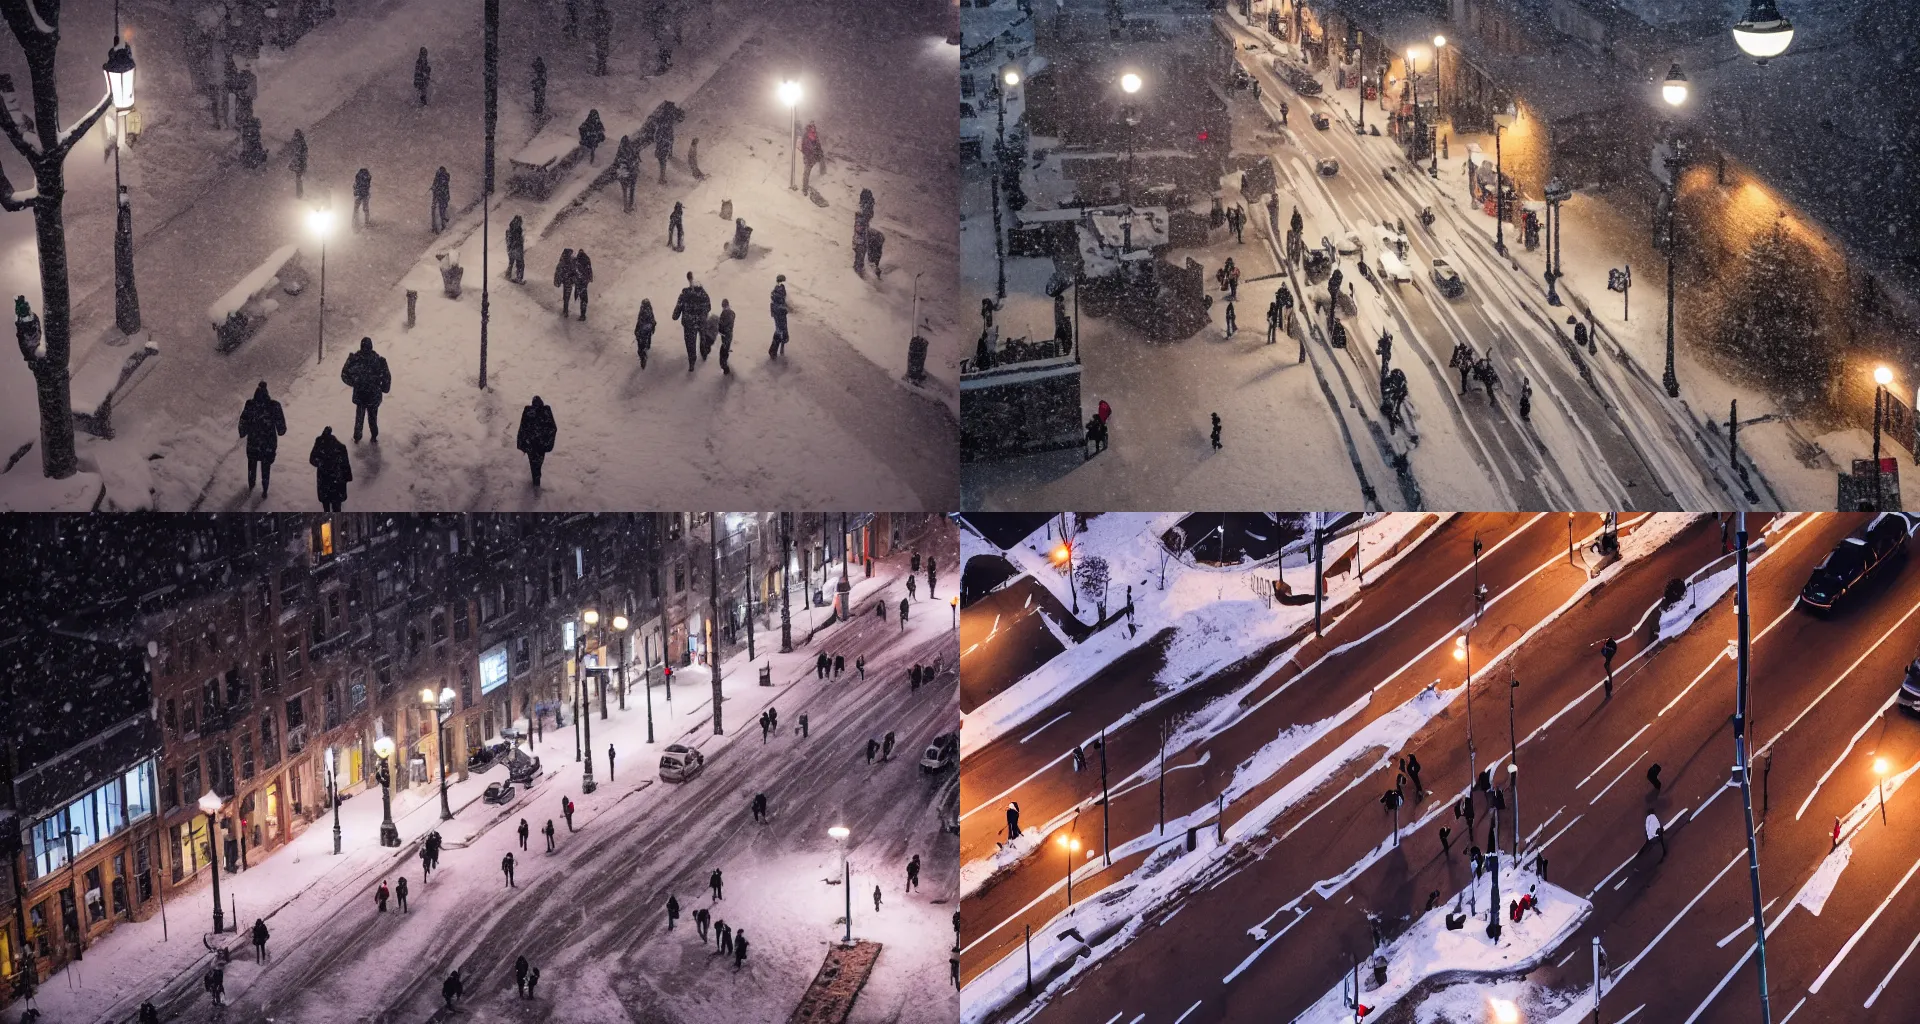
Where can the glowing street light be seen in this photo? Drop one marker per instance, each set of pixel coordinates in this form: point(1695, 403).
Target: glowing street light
point(1130, 84)
point(1674, 89)
point(1763, 33)
point(1503, 1011)
point(442, 707)
point(955, 602)
point(840, 834)
point(790, 95)
point(333, 797)
point(389, 832)
point(1881, 768)
point(1881, 378)
point(320, 222)
point(1069, 846)
point(210, 806)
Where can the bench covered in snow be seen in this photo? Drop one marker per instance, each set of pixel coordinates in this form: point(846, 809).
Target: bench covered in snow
point(539, 166)
point(101, 379)
point(237, 314)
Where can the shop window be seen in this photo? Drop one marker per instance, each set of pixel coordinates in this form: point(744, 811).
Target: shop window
point(246, 755)
point(323, 537)
point(460, 621)
point(236, 686)
point(357, 690)
point(293, 656)
point(47, 846)
point(171, 720)
point(38, 934)
point(96, 897)
point(269, 742)
point(209, 701)
point(190, 779)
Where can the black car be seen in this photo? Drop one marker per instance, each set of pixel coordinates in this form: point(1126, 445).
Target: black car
point(1854, 559)
point(1909, 696)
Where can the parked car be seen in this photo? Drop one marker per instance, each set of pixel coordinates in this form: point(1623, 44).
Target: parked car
point(1349, 244)
point(679, 763)
point(1447, 279)
point(1909, 695)
point(522, 768)
point(1328, 166)
point(1322, 121)
point(1854, 559)
point(1393, 268)
point(941, 753)
point(498, 792)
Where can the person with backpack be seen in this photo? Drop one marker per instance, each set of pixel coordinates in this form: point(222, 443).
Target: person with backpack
point(516, 251)
point(691, 310)
point(262, 423)
point(582, 277)
point(366, 373)
point(777, 305)
point(811, 154)
point(362, 199)
point(536, 437)
point(563, 280)
point(643, 328)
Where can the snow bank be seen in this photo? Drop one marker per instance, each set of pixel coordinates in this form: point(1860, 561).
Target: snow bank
point(1429, 951)
point(1702, 595)
point(258, 279)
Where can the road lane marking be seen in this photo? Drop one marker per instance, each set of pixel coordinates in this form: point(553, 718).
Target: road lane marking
point(1617, 778)
point(1300, 914)
point(1877, 989)
point(1744, 925)
point(1862, 930)
point(1189, 1013)
point(1684, 911)
point(1796, 1009)
point(1878, 716)
point(1043, 728)
point(1622, 749)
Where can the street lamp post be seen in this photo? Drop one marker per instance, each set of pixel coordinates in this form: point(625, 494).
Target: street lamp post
point(389, 832)
point(1069, 846)
point(1130, 84)
point(839, 834)
point(1463, 652)
point(790, 95)
point(1501, 121)
point(1881, 768)
point(1742, 766)
point(210, 806)
point(587, 785)
point(1438, 43)
point(1674, 91)
point(619, 663)
point(333, 797)
point(1881, 378)
point(441, 707)
point(955, 602)
point(320, 222)
point(119, 72)
point(1557, 193)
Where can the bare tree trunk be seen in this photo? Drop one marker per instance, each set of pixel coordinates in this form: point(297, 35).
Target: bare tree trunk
point(35, 25)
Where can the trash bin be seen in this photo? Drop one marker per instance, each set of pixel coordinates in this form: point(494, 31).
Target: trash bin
point(1379, 971)
point(917, 359)
point(1193, 838)
point(450, 273)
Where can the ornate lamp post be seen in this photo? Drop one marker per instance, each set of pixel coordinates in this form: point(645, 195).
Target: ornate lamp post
point(790, 95)
point(389, 832)
point(1674, 91)
point(1881, 378)
point(839, 834)
point(1463, 652)
point(1502, 120)
point(587, 785)
point(1763, 34)
point(210, 806)
point(1069, 846)
point(320, 222)
point(119, 72)
point(442, 709)
point(1130, 84)
point(333, 797)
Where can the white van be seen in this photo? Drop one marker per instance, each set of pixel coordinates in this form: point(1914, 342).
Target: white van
point(941, 752)
point(680, 763)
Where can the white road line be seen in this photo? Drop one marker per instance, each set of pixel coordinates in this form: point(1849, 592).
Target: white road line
point(1542, 848)
point(1796, 1009)
point(1622, 749)
point(1862, 930)
point(1877, 989)
point(1697, 811)
point(1189, 1013)
point(1138, 1019)
point(1617, 778)
point(1043, 728)
point(1116, 1016)
point(1299, 916)
point(1636, 1013)
point(1878, 715)
point(1742, 927)
point(1631, 964)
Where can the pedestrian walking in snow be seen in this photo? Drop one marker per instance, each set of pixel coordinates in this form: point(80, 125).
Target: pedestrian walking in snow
point(626, 169)
point(215, 983)
point(691, 310)
point(1446, 840)
point(516, 251)
point(297, 162)
point(1653, 778)
point(366, 373)
point(714, 882)
point(149, 1013)
point(520, 968)
point(803, 725)
point(953, 972)
point(1216, 431)
point(1013, 820)
point(913, 873)
point(702, 917)
point(860, 666)
point(506, 868)
point(723, 938)
point(862, 220)
point(676, 229)
point(886, 748)
point(709, 331)
point(563, 280)
point(739, 949)
point(903, 614)
point(451, 990)
point(380, 896)
point(533, 980)
point(592, 134)
point(663, 145)
point(332, 470)
point(262, 423)
point(811, 154)
point(933, 567)
point(726, 335)
point(693, 159)
point(1526, 399)
point(764, 727)
point(426, 863)
point(566, 810)
point(777, 305)
point(439, 197)
point(910, 586)
point(1489, 377)
point(422, 76)
point(913, 677)
point(582, 277)
point(876, 899)
point(643, 328)
point(760, 807)
point(548, 832)
point(609, 762)
point(523, 833)
point(539, 82)
point(259, 940)
point(1656, 832)
point(1463, 362)
point(1232, 323)
point(673, 910)
point(400, 893)
point(362, 199)
point(876, 241)
point(1413, 772)
point(839, 665)
point(536, 436)
point(1608, 648)
point(821, 665)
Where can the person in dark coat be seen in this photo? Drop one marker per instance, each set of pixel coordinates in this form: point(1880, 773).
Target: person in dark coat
point(362, 199)
point(259, 940)
point(663, 144)
point(673, 910)
point(582, 277)
point(516, 251)
point(441, 196)
point(626, 170)
point(366, 373)
point(380, 896)
point(533, 980)
point(739, 948)
point(422, 75)
point(451, 989)
point(676, 228)
point(297, 161)
point(811, 154)
point(726, 335)
point(262, 423)
point(777, 305)
point(539, 86)
point(643, 328)
point(563, 279)
point(709, 330)
point(332, 469)
point(537, 433)
point(875, 240)
point(592, 134)
point(400, 893)
point(861, 221)
point(506, 868)
point(520, 976)
point(691, 310)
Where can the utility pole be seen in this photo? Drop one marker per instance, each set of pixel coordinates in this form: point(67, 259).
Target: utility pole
point(491, 73)
point(1319, 552)
point(786, 584)
point(713, 617)
point(750, 582)
point(1741, 766)
point(1163, 778)
point(1106, 816)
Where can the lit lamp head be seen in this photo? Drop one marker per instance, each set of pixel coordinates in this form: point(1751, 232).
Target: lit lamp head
point(119, 69)
point(1130, 83)
point(1505, 116)
point(446, 695)
point(790, 92)
point(1439, 41)
point(954, 600)
point(320, 222)
point(210, 803)
point(1674, 89)
point(620, 623)
point(1763, 33)
point(1882, 376)
point(426, 695)
point(1068, 844)
point(1503, 1011)
point(1460, 647)
point(839, 832)
point(590, 617)
point(1060, 554)
point(383, 747)
point(1880, 768)
point(1010, 76)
